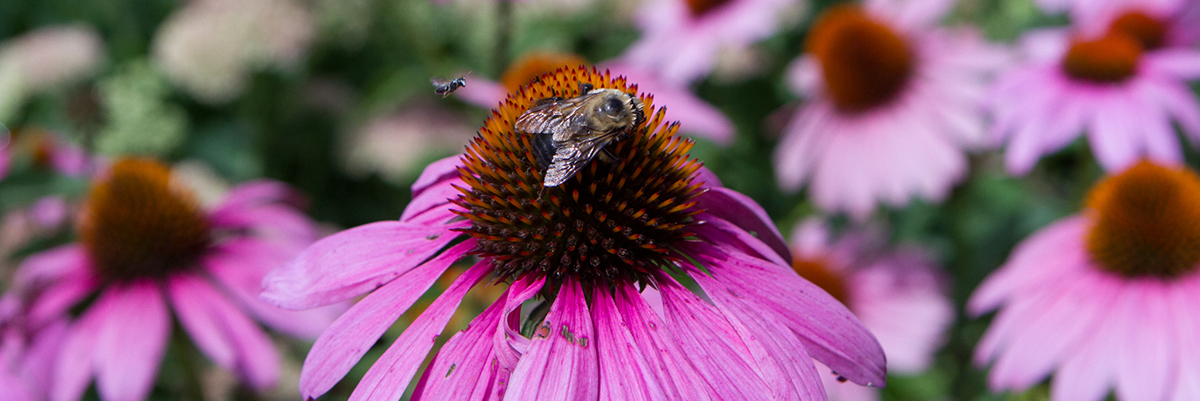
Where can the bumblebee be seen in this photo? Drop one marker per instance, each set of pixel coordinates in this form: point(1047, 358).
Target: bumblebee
point(567, 133)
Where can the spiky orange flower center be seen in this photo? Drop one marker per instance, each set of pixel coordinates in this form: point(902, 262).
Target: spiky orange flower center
point(818, 272)
point(533, 65)
point(614, 221)
point(1147, 30)
point(1109, 59)
point(701, 7)
point(137, 224)
point(1146, 222)
point(864, 62)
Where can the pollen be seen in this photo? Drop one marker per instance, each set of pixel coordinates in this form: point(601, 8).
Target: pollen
point(531, 66)
point(817, 271)
point(137, 224)
point(1147, 30)
point(614, 221)
point(864, 62)
point(1146, 222)
point(1109, 59)
point(699, 8)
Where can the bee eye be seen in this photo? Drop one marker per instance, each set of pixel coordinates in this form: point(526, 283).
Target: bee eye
point(612, 107)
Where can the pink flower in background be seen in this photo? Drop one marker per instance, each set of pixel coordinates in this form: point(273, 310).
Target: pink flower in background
point(900, 295)
point(891, 105)
point(682, 39)
point(614, 323)
point(1156, 24)
point(697, 116)
point(1083, 10)
point(1103, 299)
point(146, 246)
point(1123, 89)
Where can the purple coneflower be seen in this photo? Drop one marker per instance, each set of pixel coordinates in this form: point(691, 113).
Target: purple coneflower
point(899, 294)
point(593, 250)
point(700, 117)
point(1123, 87)
point(1105, 298)
point(146, 247)
point(891, 104)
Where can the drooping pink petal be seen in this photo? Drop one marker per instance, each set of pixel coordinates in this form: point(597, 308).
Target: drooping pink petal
point(720, 358)
point(56, 299)
point(353, 262)
point(786, 366)
point(745, 213)
point(625, 372)
point(720, 231)
point(388, 378)
point(1059, 242)
point(561, 363)
point(39, 362)
point(282, 223)
point(826, 328)
point(1182, 301)
point(51, 265)
point(466, 367)
point(436, 195)
point(1146, 362)
point(673, 369)
point(508, 342)
point(76, 360)
point(223, 332)
point(131, 341)
point(1091, 371)
point(352, 334)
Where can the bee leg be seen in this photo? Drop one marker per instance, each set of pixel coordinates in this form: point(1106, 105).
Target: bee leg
point(584, 88)
point(607, 156)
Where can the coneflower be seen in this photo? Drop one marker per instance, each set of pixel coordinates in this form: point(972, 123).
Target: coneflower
point(609, 253)
point(148, 247)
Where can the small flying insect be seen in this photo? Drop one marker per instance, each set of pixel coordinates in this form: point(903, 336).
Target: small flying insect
point(569, 133)
point(444, 86)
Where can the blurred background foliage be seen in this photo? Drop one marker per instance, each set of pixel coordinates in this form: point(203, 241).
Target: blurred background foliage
point(363, 59)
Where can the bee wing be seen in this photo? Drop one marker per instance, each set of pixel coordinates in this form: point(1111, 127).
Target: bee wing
point(560, 118)
point(573, 155)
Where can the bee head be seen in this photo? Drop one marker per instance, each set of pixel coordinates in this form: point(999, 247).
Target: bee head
point(621, 109)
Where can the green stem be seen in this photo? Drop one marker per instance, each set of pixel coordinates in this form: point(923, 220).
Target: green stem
point(504, 26)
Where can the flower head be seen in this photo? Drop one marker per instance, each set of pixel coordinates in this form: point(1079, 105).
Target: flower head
point(145, 243)
point(603, 253)
point(891, 104)
point(899, 294)
point(1123, 86)
point(1103, 299)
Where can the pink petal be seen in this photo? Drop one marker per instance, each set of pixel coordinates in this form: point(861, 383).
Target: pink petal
point(561, 363)
point(1146, 363)
point(1187, 325)
point(1044, 342)
point(465, 368)
point(508, 342)
point(1090, 371)
point(1112, 135)
point(672, 368)
point(51, 265)
point(353, 334)
point(353, 262)
point(1059, 245)
point(707, 177)
point(436, 195)
point(131, 341)
point(1180, 63)
point(55, 300)
point(282, 223)
point(483, 93)
point(718, 230)
point(388, 378)
point(438, 171)
point(625, 372)
point(745, 213)
point(257, 193)
point(240, 269)
point(826, 328)
point(223, 332)
point(77, 357)
point(711, 344)
point(784, 364)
